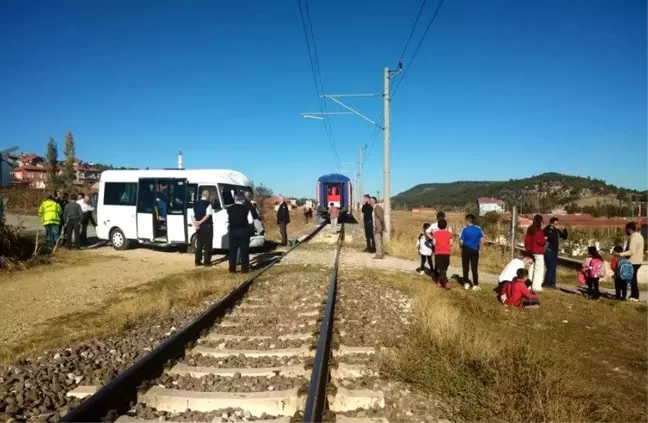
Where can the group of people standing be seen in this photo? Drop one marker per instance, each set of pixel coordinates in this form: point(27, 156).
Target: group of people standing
point(373, 216)
point(543, 246)
point(66, 216)
point(240, 219)
point(436, 240)
point(525, 276)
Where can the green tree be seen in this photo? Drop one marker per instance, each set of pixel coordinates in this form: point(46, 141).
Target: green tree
point(68, 168)
point(261, 191)
point(572, 208)
point(53, 180)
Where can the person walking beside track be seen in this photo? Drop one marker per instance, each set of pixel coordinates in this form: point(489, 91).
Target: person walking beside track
point(72, 215)
point(204, 225)
point(635, 250)
point(367, 217)
point(283, 219)
point(553, 234)
point(378, 219)
point(471, 240)
point(334, 215)
point(534, 243)
point(50, 215)
point(239, 219)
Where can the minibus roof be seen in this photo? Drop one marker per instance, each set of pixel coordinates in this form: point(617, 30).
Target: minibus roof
point(219, 176)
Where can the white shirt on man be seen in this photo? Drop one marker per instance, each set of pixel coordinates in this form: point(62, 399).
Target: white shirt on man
point(510, 271)
point(85, 207)
point(435, 227)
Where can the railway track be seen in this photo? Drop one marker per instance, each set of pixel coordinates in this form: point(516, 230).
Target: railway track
point(265, 352)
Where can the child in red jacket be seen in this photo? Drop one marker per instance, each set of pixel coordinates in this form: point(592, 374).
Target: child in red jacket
point(517, 294)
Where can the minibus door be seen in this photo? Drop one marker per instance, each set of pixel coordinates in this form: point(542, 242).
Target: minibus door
point(177, 211)
point(146, 209)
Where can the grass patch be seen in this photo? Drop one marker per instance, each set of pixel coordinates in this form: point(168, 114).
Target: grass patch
point(570, 360)
point(129, 307)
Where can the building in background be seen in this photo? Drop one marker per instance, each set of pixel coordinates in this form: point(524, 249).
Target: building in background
point(488, 204)
point(31, 169)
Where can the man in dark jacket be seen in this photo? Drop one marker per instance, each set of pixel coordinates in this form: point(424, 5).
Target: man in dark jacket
point(239, 219)
point(72, 215)
point(202, 221)
point(367, 215)
point(553, 234)
point(283, 219)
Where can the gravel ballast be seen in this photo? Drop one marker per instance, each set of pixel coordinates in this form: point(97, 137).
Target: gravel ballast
point(237, 383)
point(218, 416)
point(262, 345)
point(36, 388)
point(238, 362)
point(375, 315)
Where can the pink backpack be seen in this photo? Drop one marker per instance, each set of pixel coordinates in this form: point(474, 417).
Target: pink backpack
point(592, 268)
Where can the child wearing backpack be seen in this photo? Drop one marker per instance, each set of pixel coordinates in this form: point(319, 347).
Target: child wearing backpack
point(623, 272)
point(593, 269)
point(424, 248)
point(516, 293)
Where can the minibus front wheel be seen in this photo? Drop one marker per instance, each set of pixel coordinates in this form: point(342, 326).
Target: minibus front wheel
point(191, 248)
point(118, 239)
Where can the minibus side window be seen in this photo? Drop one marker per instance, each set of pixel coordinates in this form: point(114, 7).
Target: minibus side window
point(120, 194)
point(213, 196)
point(192, 195)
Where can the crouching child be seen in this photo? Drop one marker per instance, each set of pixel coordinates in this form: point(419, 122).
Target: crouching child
point(516, 293)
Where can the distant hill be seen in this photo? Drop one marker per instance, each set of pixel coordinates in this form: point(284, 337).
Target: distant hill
point(541, 192)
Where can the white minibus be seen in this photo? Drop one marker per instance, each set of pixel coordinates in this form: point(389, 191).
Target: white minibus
point(156, 206)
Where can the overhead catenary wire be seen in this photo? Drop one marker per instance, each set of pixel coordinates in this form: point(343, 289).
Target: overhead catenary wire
point(409, 64)
point(409, 37)
point(374, 135)
point(307, 28)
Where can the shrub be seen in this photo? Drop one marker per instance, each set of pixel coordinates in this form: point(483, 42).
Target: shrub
point(16, 249)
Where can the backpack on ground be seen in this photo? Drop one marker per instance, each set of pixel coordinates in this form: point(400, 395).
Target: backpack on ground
point(596, 269)
point(625, 271)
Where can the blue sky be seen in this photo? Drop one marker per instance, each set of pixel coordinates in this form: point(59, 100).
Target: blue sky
point(500, 89)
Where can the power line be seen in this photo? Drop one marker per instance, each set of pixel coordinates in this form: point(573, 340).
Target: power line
point(436, 12)
point(409, 38)
point(315, 69)
point(374, 136)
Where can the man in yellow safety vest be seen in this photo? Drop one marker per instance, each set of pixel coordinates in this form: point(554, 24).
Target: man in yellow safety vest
point(50, 214)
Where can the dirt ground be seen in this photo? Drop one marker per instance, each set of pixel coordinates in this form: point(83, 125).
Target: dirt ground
point(77, 282)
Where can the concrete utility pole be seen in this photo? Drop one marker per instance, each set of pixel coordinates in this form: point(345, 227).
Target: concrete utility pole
point(513, 228)
point(386, 157)
point(361, 174)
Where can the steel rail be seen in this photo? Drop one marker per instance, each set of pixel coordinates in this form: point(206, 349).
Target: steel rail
point(316, 399)
point(118, 394)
